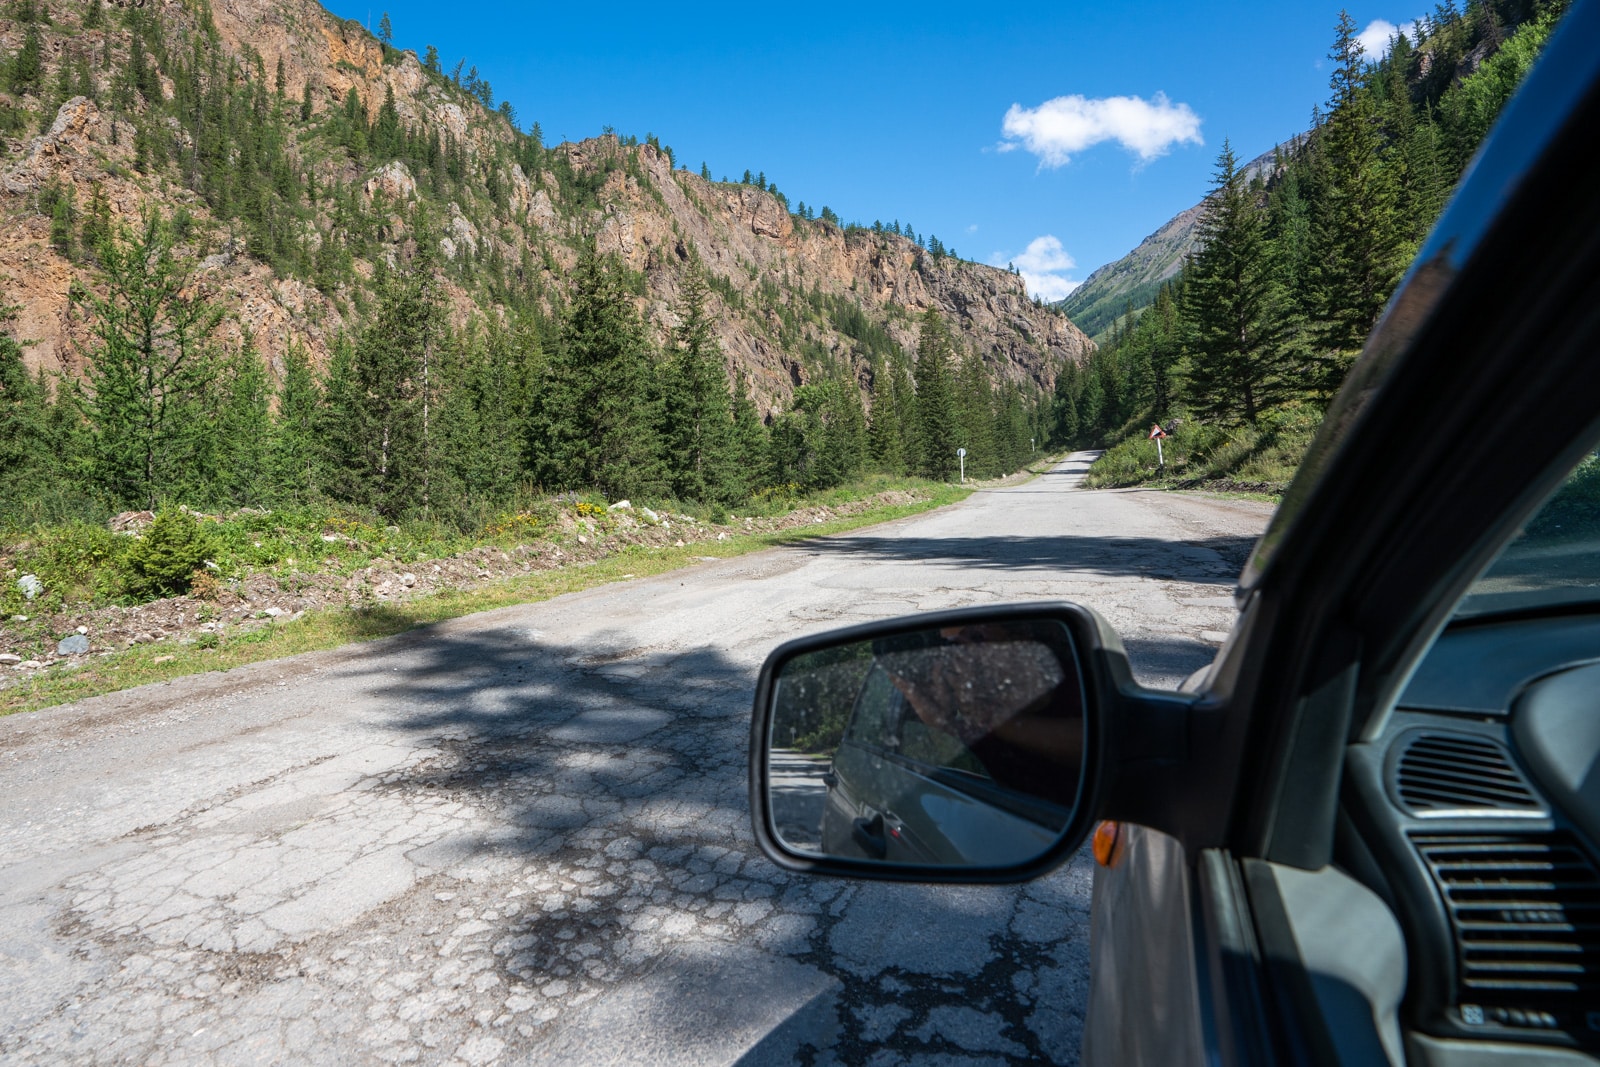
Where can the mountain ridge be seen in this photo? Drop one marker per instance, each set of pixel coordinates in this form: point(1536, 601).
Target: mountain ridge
point(794, 299)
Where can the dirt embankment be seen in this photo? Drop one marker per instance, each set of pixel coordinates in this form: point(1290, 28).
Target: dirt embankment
point(257, 600)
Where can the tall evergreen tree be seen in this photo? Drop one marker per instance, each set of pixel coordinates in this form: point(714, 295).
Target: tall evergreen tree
point(25, 460)
point(150, 369)
point(1239, 330)
point(595, 427)
point(749, 438)
point(382, 451)
point(885, 443)
point(490, 397)
point(1064, 430)
point(697, 407)
point(1355, 257)
point(242, 434)
point(975, 415)
point(296, 459)
point(938, 430)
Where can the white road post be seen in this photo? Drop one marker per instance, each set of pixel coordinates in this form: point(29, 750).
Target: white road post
point(961, 454)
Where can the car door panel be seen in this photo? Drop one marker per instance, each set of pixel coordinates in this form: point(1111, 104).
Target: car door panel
point(1143, 1005)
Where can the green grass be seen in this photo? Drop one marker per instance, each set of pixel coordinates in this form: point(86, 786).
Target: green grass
point(1260, 459)
point(333, 627)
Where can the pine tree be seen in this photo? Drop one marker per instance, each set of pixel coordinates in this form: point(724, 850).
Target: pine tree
point(150, 369)
point(27, 66)
point(595, 427)
point(975, 417)
point(1239, 330)
point(385, 29)
point(25, 459)
point(1355, 250)
point(241, 434)
point(885, 443)
point(296, 454)
point(487, 407)
point(937, 427)
point(1064, 406)
point(844, 436)
point(750, 437)
point(697, 408)
point(381, 449)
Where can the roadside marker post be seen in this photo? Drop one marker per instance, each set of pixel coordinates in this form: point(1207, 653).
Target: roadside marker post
point(961, 454)
point(1156, 434)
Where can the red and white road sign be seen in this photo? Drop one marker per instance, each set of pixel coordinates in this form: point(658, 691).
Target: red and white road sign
point(1156, 431)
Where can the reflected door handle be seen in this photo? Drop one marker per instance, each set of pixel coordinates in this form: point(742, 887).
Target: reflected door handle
point(830, 779)
point(868, 833)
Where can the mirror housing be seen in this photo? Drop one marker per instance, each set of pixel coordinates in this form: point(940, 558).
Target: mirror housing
point(1123, 726)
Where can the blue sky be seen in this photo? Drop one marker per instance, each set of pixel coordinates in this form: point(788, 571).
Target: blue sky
point(1053, 136)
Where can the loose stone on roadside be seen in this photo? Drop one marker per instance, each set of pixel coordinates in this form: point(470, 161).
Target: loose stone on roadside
point(76, 645)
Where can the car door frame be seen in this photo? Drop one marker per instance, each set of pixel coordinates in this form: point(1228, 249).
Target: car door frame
point(1404, 498)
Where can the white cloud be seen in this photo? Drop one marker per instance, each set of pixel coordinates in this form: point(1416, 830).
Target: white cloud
point(1375, 39)
point(1057, 129)
point(1043, 267)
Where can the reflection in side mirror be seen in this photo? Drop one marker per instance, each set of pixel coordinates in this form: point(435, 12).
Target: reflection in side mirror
point(958, 745)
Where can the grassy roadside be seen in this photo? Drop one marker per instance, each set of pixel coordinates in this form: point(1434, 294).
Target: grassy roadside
point(336, 626)
point(1253, 462)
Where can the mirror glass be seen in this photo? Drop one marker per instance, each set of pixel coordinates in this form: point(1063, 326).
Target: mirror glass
point(961, 745)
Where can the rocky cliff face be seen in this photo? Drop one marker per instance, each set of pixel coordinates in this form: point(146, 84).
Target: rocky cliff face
point(779, 280)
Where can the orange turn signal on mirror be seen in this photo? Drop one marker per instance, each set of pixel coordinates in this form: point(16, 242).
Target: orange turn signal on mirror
point(1106, 838)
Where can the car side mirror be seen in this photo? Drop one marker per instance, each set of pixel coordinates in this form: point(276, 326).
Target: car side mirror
point(958, 746)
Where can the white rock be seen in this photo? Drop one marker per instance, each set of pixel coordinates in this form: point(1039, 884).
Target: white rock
point(621, 505)
point(8, 658)
point(83, 629)
point(30, 585)
point(408, 580)
point(652, 516)
point(274, 612)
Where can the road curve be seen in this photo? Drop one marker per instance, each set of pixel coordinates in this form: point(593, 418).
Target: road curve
point(521, 837)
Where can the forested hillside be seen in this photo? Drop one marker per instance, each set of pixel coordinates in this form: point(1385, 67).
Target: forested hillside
point(256, 256)
point(1240, 352)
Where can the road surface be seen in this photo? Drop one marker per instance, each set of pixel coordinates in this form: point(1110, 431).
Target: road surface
point(522, 837)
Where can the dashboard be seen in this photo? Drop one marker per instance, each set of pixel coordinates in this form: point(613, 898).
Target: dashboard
point(1475, 815)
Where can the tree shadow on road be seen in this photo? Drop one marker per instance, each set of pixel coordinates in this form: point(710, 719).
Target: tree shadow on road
point(1206, 561)
point(616, 783)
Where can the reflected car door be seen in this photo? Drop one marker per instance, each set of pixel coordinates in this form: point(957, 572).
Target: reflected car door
point(903, 792)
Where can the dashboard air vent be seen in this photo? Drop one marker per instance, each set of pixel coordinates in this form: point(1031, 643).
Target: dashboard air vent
point(1440, 773)
point(1525, 912)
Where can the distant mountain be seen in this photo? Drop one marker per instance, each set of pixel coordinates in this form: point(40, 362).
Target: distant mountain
point(1137, 276)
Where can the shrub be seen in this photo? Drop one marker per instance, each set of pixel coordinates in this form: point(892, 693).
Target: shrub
point(163, 561)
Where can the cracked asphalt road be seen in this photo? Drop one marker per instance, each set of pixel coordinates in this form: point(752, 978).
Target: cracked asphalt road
point(522, 836)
